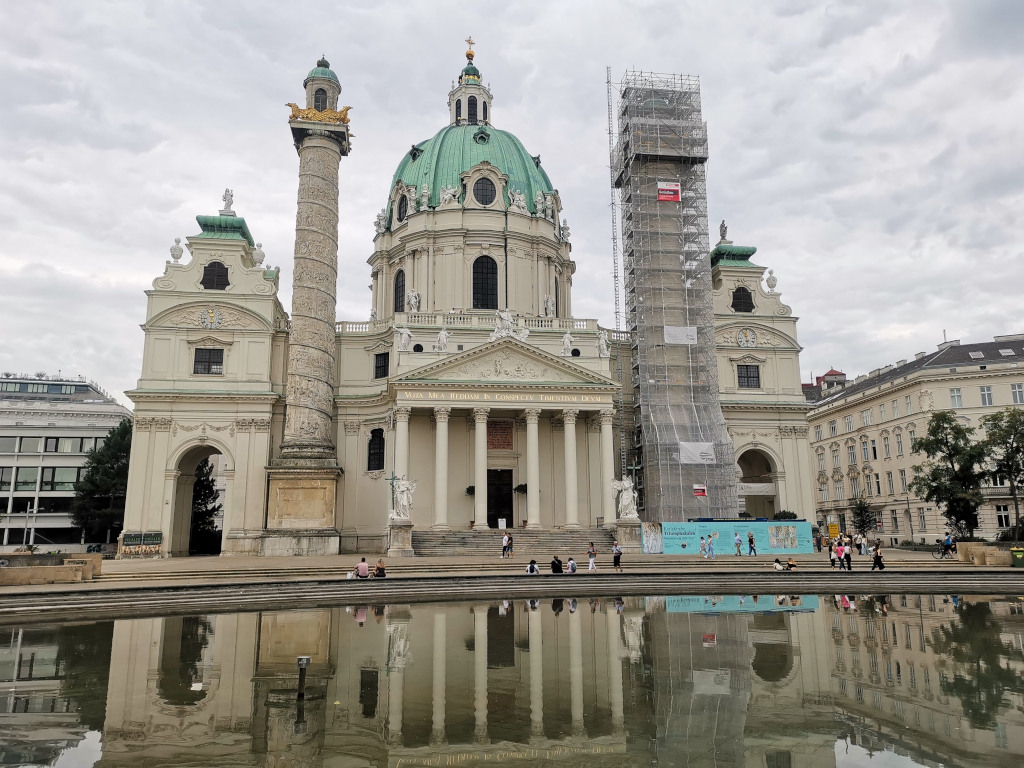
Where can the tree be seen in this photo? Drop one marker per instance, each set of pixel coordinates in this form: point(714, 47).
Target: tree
point(952, 476)
point(863, 517)
point(1004, 445)
point(204, 538)
point(99, 500)
point(785, 514)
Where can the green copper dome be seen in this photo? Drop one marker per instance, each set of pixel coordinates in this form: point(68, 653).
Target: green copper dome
point(322, 70)
point(441, 161)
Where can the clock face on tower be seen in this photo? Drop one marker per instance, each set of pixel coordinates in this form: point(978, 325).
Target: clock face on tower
point(746, 337)
point(211, 318)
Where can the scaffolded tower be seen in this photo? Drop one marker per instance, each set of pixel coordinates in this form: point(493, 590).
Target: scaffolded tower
point(680, 439)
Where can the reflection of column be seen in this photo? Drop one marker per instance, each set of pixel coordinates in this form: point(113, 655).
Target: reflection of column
point(480, 671)
point(607, 467)
point(576, 673)
point(396, 689)
point(572, 514)
point(402, 441)
point(532, 468)
point(480, 465)
point(536, 674)
point(437, 735)
point(614, 669)
point(441, 468)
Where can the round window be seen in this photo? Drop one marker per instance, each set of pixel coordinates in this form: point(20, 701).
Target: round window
point(484, 191)
point(417, 347)
point(575, 353)
point(403, 207)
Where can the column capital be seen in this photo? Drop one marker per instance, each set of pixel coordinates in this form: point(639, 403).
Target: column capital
point(442, 413)
point(569, 415)
point(606, 416)
point(480, 415)
point(532, 415)
point(402, 413)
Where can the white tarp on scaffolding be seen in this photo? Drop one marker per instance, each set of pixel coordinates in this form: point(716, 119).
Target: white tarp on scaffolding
point(696, 453)
point(680, 334)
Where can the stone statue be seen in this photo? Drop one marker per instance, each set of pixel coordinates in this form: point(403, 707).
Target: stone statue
point(723, 230)
point(449, 195)
point(504, 320)
point(627, 497)
point(404, 489)
point(772, 280)
point(411, 194)
point(504, 325)
point(441, 345)
point(549, 208)
point(413, 299)
point(538, 202)
point(517, 200)
point(258, 255)
point(565, 230)
point(549, 306)
point(602, 344)
point(378, 223)
point(404, 339)
point(176, 250)
point(424, 197)
point(567, 341)
point(373, 315)
point(229, 198)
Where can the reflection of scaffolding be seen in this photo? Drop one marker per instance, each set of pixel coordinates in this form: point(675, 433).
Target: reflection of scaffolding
point(678, 421)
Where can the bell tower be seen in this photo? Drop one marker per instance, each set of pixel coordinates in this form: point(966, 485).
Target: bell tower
point(304, 478)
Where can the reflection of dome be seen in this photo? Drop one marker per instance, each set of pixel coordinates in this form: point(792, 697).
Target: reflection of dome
point(440, 161)
point(772, 661)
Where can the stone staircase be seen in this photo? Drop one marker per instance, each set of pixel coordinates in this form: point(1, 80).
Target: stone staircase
point(481, 544)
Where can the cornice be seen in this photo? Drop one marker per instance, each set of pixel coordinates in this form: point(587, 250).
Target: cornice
point(137, 395)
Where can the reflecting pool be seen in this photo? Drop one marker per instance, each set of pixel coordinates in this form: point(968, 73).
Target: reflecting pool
point(767, 681)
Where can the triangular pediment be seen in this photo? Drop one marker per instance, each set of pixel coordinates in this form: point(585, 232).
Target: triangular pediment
point(506, 361)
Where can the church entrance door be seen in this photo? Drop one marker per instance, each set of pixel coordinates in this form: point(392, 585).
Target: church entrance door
point(499, 497)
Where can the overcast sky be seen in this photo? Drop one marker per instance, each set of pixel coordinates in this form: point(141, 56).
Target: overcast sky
point(872, 151)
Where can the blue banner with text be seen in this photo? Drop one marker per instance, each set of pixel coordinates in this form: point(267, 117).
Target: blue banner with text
point(772, 537)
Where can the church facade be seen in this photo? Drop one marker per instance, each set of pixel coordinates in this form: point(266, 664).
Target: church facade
point(472, 397)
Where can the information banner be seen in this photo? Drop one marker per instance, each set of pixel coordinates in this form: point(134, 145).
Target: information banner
point(772, 537)
point(833, 530)
point(668, 191)
point(681, 334)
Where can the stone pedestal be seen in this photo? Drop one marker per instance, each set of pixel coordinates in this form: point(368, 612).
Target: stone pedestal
point(629, 536)
point(400, 537)
point(301, 512)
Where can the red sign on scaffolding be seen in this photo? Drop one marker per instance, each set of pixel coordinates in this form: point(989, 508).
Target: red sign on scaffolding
point(668, 191)
point(700, 490)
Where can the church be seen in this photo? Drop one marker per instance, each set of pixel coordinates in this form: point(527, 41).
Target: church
point(471, 398)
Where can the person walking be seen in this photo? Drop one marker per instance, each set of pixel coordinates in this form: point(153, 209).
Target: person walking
point(878, 561)
point(840, 555)
point(751, 549)
point(711, 548)
point(617, 556)
point(848, 554)
point(738, 542)
point(592, 557)
point(504, 545)
point(832, 555)
point(511, 544)
point(703, 548)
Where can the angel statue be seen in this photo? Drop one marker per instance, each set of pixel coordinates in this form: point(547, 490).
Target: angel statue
point(404, 489)
point(441, 345)
point(449, 195)
point(567, 341)
point(413, 298)
point(602, 344)
point(229, 198)
point(627, 497)
point(404, 339)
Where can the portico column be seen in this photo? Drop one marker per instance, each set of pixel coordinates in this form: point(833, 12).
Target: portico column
point(402, 441)
point(536, 674)
point(480, 671)
point(576, 673)
point(532, 469)
point(607, 467)
point(480, 464)
point(614, 668)
point(441, 468)
point(437, 735)
point(572, 512)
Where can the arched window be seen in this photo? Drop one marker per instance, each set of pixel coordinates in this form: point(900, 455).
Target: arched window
point(215, 277)
point(471, 110)
point(320, 100)
point(485, 111)
point(375, 452)
point(485, 283)
point(458, 110)
point(742, 301)
point(400, 291)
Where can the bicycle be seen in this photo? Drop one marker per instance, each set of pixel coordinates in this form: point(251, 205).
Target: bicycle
point(941, 552)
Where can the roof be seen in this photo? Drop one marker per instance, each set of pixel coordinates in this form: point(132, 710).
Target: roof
point(224, 228)
point(441, 161)
point(949, 355)
point(321, 70)
point(833, 372)
point(729, 255)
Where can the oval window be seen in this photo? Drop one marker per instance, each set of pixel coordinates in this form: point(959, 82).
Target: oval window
point(484, 191)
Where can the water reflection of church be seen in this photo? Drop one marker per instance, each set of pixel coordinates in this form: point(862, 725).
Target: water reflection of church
point(633, 682)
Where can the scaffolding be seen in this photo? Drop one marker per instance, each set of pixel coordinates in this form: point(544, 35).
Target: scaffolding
point(680, 445)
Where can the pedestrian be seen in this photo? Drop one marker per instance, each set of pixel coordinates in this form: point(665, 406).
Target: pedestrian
point(840, 555)
point(848, 554)
point(532, 569)
point(592, 557)
point(703, 548)
point(738, 542)
point(751, 549)
point(504, 545)
point(817, 541)
point(832, 555)
point(556, 565)
point(616, 556)
point(711, 548)
point(511, 544)
point(570, 566)
point(878, 561)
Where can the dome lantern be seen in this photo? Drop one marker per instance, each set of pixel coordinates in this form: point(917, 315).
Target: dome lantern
point(469, 103)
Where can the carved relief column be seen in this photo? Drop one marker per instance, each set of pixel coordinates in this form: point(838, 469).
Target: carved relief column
point(480, 671)
point(441, 468)
point(572, 513)
point(480, 465)
point(402, 441)
point(348, 506)
point(532, 468)
point(607, 467)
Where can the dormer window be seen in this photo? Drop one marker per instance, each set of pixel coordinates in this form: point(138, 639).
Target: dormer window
point(320, 100)
point(484, 191)
point(742, 301)
point(215, 277)
point(471, 111)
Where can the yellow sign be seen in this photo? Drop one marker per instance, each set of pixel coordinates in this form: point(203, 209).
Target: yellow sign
point(833, 530)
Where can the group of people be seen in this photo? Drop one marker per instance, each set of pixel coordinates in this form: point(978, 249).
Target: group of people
point(570, 567)
point(840, 551)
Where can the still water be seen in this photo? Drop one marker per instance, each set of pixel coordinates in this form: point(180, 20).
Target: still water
point(767, 681)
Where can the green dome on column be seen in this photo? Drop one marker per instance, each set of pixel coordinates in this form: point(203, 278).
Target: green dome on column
point(441, 161)
point(321, 70)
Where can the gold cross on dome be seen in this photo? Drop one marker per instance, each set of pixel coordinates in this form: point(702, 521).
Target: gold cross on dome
point(469, 41)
